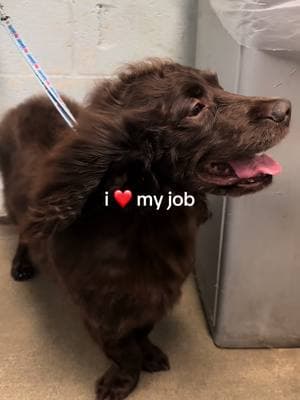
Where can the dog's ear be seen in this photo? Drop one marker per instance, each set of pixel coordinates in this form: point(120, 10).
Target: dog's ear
point(68, 175)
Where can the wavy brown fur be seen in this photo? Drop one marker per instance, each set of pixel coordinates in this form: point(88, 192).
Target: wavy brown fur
point(139, 131)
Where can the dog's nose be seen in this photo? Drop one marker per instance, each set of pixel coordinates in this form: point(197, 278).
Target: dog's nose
point(280, 110)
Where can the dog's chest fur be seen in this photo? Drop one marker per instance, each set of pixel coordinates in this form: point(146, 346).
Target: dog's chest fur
point(136, 263)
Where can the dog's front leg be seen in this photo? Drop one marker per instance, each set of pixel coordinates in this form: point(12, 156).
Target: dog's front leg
point(154, 359)
point(121, 378)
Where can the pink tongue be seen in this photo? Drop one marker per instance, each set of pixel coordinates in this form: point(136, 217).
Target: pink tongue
point(251, 167)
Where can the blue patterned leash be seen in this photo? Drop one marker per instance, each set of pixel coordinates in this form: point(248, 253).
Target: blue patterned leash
point(52, 93)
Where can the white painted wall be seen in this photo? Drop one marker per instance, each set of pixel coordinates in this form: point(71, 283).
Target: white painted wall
point(79, 41)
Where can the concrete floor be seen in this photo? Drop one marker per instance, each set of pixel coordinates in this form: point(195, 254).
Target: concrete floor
point(46, 354)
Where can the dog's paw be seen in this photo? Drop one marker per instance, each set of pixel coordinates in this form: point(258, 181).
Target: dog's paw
point(22, 269)
point(23, 272)
point(116, 384)
point(154, 360)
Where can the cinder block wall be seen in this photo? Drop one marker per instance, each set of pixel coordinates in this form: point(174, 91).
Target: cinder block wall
point(80, 41)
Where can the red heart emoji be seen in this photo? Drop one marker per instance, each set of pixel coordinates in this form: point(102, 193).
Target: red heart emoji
point(122, 198)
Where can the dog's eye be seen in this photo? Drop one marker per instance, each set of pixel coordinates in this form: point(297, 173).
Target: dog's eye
point(196, 110)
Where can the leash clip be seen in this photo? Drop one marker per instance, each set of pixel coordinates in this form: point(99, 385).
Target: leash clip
point(3, 16)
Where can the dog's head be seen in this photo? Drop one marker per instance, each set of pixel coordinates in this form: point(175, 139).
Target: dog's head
point(199, 134)
point(160, 126)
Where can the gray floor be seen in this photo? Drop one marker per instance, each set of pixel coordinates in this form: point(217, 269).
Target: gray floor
point(45, 354)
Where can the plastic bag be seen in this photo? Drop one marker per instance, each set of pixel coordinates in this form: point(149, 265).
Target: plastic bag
point(262, 24)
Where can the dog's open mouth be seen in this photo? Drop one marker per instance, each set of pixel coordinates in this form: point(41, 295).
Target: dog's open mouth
point(247, 172)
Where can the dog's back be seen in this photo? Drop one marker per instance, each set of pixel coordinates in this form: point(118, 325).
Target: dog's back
point(27, 133)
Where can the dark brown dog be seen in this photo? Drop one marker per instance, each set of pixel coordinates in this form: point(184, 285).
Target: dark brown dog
point(157, 127)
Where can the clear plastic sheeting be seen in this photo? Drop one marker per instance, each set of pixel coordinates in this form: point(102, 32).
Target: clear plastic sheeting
point(262, 24)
